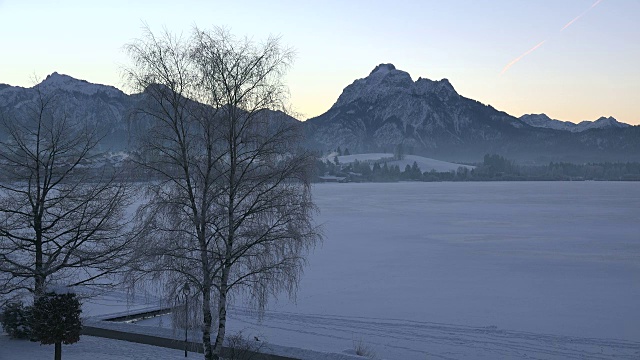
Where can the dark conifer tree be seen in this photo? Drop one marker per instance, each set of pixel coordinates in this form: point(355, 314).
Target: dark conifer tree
point(55, 319)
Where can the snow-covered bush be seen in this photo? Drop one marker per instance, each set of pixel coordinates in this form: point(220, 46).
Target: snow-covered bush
point(362, 349)
point(16, 320)
point(241, 348)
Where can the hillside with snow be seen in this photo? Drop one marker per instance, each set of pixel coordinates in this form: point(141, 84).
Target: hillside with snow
point(544, 121)
point(425, 164)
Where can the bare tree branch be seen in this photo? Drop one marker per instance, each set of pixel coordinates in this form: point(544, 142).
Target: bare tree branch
point(59, 221)
point(231, 208)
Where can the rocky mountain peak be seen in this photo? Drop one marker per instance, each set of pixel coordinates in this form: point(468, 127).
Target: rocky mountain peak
point(544, 121)
point(601, 123)
point(382, 69)
point(54, 76)
point(389, 75)
point(66, 83)
point(610, 120)
point(385, 80)
point(56, 80)
point(446, 84)
point(442, 88)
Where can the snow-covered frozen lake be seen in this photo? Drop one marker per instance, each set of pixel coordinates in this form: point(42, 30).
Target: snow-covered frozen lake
point(467, 270)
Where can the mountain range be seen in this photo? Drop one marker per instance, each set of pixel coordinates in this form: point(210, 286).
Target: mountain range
point(102, 107)
point(387, 109)
point(542, 120)
point(379, 113)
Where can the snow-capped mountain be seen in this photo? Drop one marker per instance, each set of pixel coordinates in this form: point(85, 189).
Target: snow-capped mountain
point(111, 112)
point(387, 109)
point(102, 107)
point(544, 121)
point(373, 114)
point(385, 79)
point(63, 82)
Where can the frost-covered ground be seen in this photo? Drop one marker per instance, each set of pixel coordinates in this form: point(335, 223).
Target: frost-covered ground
point(89, 348)
point(544, 270)
point(468, 270)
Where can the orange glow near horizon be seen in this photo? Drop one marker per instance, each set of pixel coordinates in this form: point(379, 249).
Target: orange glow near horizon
point(587, 67)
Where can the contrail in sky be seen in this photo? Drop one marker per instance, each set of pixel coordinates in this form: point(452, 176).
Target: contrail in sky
point(521, 56)
point(542, 42)
point(581, 15)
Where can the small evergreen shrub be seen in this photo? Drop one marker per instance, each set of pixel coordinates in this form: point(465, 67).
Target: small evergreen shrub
point(17, 320)
point(56, 318)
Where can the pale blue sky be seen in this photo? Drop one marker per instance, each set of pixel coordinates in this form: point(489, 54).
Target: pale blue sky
point(586, 71)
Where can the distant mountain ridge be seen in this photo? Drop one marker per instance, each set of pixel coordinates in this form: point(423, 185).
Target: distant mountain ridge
point(544, 121)
point(113, 113)
point(377, 113)
point(388, 109)
point(102, 107)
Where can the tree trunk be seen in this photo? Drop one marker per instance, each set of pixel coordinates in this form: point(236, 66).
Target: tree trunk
point(222, 315)
point(226, 267)
point(58, 355)
point(206, 326)
point(39, 277)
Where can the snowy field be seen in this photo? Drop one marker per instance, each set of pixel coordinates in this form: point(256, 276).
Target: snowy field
point(546, 270)
point(89, 348)
point(541, 270)
point(425, 164)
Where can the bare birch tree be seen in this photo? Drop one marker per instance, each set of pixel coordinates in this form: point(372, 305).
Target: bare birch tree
point(233, 211)
point(265, 210)
point(59, 220)
point(179, 151)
